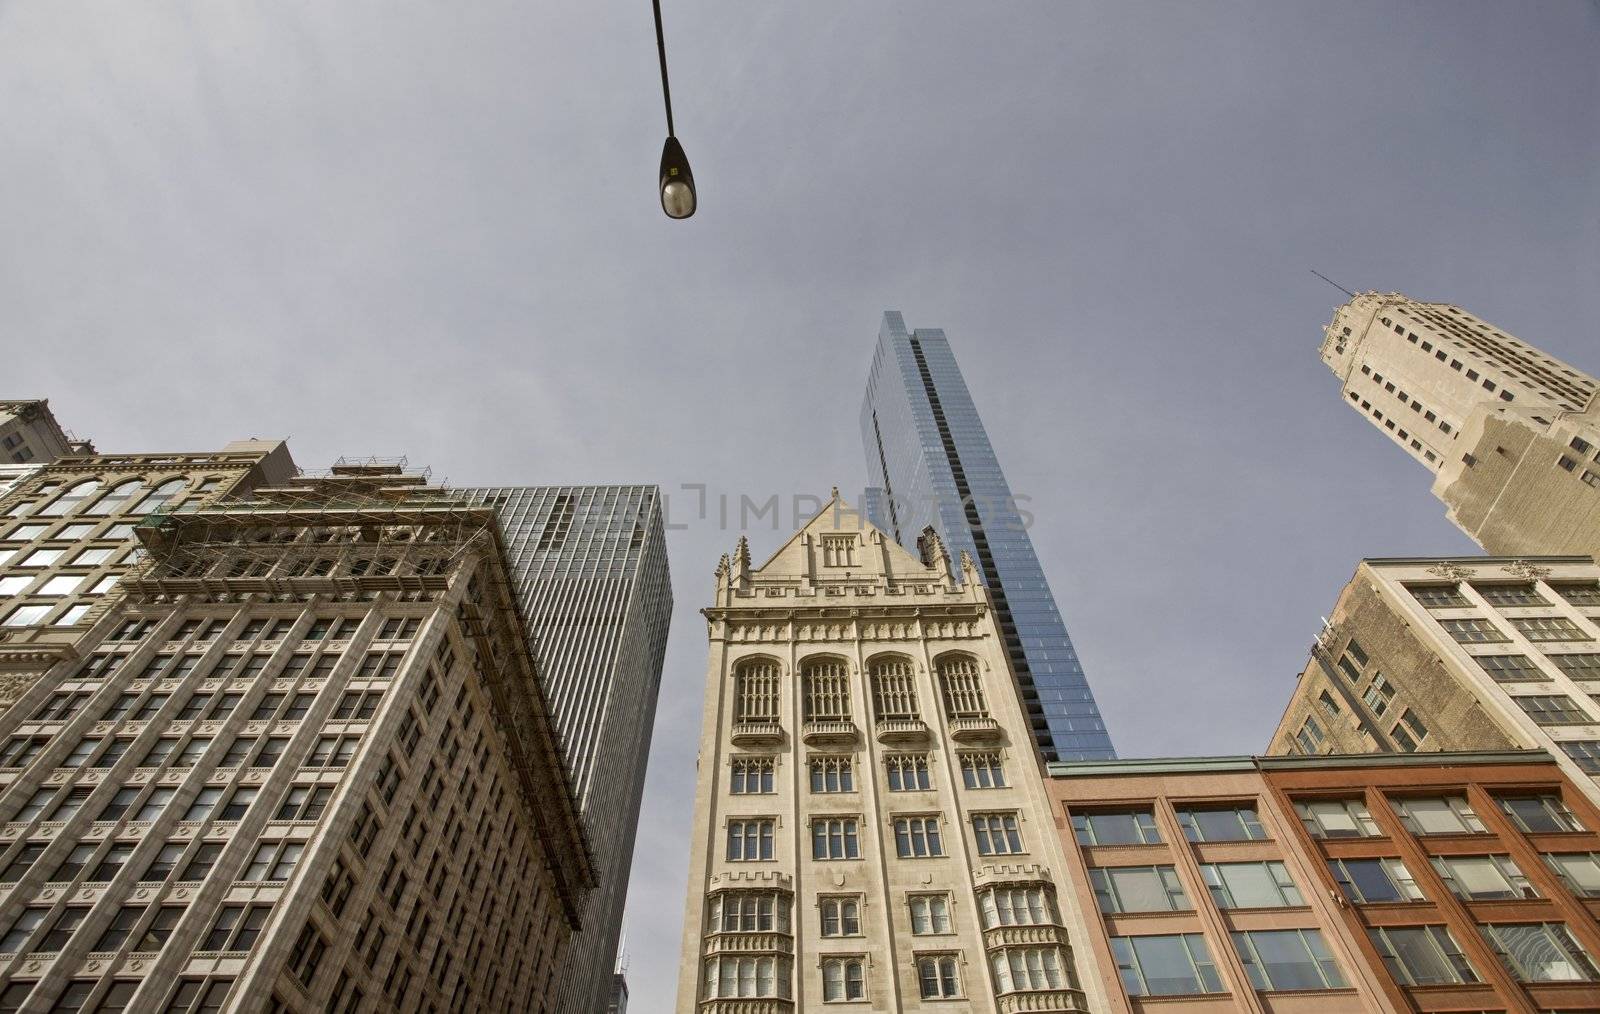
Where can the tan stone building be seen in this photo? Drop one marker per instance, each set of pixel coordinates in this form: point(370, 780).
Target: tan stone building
point(1282, 885)
point(303, 762)
point(1480, 653)
point(67, 538)
point(1511, 435)
point(29, 434)
point(870, 823)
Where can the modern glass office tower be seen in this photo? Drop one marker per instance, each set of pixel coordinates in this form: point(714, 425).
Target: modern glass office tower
point(931, 464)
point(590, 566)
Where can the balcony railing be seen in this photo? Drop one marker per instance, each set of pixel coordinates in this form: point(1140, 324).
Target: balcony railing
point(821, 733)
point(902, 730)
point(974, 729)
point(764, 733)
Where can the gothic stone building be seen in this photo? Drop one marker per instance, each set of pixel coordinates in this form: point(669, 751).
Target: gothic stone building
point(870, 822)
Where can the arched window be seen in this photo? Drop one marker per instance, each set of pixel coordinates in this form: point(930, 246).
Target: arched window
point(71, 500)
point(827, 690)
point(116, 500)
point(962, 686)
point(158, 498)
point(894, 688)
point(755, 691)
point(938, 977)
point(843, 979)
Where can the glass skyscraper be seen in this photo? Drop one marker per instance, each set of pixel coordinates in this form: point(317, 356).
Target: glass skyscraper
point(590, 565)
point(930, 464)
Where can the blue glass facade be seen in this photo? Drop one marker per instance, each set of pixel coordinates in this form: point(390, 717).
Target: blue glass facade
point(930, 464)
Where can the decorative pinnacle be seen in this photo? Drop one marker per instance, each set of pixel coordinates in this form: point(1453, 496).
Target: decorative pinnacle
point(722, 565)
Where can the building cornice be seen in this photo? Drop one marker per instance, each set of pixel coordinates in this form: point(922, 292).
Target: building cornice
point(1196, 765)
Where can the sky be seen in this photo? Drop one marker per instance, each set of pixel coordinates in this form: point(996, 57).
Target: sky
point(432, 230)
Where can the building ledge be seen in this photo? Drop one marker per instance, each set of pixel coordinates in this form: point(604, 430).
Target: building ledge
point(902, 730)
point(1041, 1000)
point(974, 730)
point(756, 734)
point(824, 733)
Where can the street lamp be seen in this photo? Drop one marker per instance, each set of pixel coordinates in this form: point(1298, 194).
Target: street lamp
point(678, 198)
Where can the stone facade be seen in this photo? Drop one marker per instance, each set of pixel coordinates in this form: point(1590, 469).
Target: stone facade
point(869, 799)
point(1480, 653)
point(1511, 434)
point(67, 537)
point(1290, 885)
point(304, 763)
point(30, 435)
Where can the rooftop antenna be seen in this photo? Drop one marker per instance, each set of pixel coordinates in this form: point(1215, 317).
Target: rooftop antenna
point(1333, 283)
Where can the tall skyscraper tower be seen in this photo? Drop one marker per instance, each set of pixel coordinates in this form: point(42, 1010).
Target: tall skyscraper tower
point(931, 466)
point(870, 823)
point(590, 570)
point(1511, 434)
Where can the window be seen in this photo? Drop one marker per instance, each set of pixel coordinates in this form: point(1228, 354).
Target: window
point(26, 616)
point(746, 977)
point(961, 686)
point(841, 917)
point(1232, 823)
point(1352, 661)
point(67, 923)
point(1251, 885)
point(1116, 827)
point(332, 752)
point(112, 862)
point(304, 802)
point(1287, 959)
point(358, 705)
point(1329, 706)
point(21, 862)
point(843, 980)
point(1438, 815)
point(1168, 965)
point(1510, 668)
point(1121, 889)
point(117, 498)
point(1473, 630)
point(930, 914)
point(1379, 694)
point(1579, 871)
point(751, 775)
point(835, 838)
point(1422, 955)
point(158, 498)
point(937, 977)
point(917, 837)
point(826, 684)
point(997, 834)
point(70, 500)
point(1548, 628)
point(273, 861)
point(1553, 709)
point(1581, 666)
point(202, 862)
point(238, 804)
point(750, 840)
point(894, 689)
point(1579, 594)
point(118, 805)
point(982, 771)
point(832, 774)
point(237, 928)
point(839, 550)
point(1374, 881)
point(306, 955)
point(907, 772)
point(1483, 878)
point(122, 924)
point(1541, 952)
point(1510, 595)
point(28, 920)
point(1024, 905)
point(749, 912)
point(756, 691)
point(160, 928)
point(163, 863)
point(1438, 596)
point(1584, 752)
point(1309, 738)
point(1409, 732)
